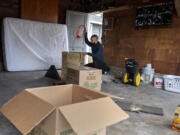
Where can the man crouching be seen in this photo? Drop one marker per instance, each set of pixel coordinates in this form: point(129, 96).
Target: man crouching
point(97, 53)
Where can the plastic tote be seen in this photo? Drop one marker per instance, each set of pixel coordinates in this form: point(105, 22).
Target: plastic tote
point(172, 83)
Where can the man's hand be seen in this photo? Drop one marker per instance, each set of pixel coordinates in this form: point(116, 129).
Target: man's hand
point(85, 31)
point(90, 54)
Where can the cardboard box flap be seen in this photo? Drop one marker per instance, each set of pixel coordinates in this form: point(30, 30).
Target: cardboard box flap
point(25, 111)
point(92, 115)
point(83, 68)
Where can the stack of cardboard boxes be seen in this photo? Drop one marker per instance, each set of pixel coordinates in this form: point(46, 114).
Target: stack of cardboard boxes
point(74, 71)
point(72, 59)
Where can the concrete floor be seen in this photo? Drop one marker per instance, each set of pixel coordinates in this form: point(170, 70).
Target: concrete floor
point(12, 83)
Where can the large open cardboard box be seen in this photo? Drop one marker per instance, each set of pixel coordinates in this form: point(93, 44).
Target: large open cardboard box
point(62, 110)
point(85, 76)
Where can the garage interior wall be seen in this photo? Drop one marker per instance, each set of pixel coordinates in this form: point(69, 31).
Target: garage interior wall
point(12, 8)
point(40, 10)
point(8, 8)
point(158, 45)
point(64, 5)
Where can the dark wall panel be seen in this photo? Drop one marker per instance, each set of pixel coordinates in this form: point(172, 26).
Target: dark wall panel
point(64, 5)
point(8, 8)
point(157, 45)
point(40, 10)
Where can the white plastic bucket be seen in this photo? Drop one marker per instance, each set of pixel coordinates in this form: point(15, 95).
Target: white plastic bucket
point(158, 82)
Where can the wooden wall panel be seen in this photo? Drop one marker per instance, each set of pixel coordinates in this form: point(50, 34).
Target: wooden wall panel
point(64, 5)
point(158, 45)
point(139, 2)
point(177, 5)
point(8, 8)
point(40, 10)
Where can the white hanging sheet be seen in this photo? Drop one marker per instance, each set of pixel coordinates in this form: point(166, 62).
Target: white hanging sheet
point(30, 45)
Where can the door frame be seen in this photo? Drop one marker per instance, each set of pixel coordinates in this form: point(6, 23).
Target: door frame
point(67, 23)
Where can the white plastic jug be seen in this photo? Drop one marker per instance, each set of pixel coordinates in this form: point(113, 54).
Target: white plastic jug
point(147, 74)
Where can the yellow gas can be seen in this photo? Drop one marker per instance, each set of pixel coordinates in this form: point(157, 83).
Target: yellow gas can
point(176, 120)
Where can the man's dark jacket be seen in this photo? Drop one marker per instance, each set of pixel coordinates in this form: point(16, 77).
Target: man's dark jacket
point(97, 50)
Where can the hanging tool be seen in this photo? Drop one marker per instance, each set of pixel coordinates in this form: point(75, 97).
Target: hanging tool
point(78, 33)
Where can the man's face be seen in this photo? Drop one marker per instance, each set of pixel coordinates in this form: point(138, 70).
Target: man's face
point(94, 40)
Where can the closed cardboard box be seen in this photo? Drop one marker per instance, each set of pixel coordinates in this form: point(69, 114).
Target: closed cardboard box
point(85, 76)
point(70, 59)
point(62, 110)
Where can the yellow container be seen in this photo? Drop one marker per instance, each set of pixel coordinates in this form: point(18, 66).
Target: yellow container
point(176, 120)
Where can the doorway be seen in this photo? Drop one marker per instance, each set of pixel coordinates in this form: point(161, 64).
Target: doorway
point(93, 23)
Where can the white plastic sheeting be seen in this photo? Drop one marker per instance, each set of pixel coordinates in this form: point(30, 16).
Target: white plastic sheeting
point(30, 45)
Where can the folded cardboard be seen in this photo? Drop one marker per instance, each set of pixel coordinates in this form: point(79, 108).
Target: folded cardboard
point(70, 59)
point(62, 110)
point(85, 76)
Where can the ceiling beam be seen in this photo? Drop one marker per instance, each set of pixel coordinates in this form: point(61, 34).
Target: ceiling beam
point(117, 9)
